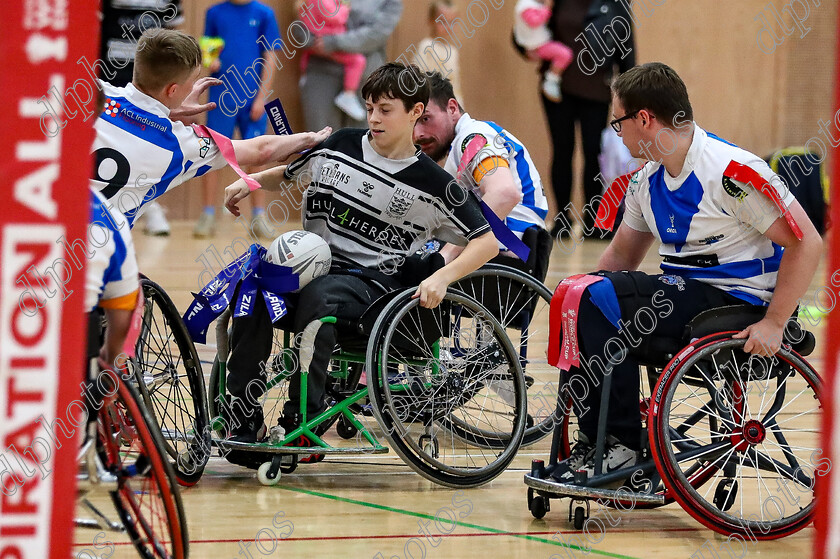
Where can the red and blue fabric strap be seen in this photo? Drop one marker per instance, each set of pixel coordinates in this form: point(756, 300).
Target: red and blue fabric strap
point(499, 228)
point(254, 275)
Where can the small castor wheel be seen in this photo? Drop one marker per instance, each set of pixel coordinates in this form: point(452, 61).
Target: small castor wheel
point(345, 429)
point(578, 513)
point(580, 516)
point(725, 494)
point(429, 445)
point(269, 472)
point(539, 506)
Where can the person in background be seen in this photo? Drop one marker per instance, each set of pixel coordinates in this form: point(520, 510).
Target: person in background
point(532, 34)
point(586, 101)
point(240, 103)
point(425, 60)
point(122, 23)
point(330, 18)
point(369, 26)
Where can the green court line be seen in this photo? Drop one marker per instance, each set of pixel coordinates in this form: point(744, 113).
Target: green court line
point(464, 524)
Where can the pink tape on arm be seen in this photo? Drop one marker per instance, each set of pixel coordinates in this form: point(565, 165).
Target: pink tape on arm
point(226, 147)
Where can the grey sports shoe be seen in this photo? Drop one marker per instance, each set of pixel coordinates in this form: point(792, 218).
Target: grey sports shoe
point(261, 228)
point(206, 226)
point(156, 224)
point(616, 456)
point(582, 452)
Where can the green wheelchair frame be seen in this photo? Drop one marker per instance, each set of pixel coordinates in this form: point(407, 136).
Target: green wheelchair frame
point(425, 457)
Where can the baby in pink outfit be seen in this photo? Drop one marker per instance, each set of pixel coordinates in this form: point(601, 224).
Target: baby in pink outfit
point(329, 17)
point(532, 34)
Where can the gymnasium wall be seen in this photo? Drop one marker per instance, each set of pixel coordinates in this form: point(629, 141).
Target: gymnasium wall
point(759, 100)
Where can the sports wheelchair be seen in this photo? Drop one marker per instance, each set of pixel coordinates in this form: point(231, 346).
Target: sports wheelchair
point(171, 382)
point(732, 437)
point(123, 457)
point(444, 385)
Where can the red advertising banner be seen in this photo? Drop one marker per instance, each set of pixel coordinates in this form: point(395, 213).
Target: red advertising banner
point(827, 523)
point(44, 174)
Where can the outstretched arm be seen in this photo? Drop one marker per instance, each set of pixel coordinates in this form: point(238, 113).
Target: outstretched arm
point(270, 179)
point(263, 150)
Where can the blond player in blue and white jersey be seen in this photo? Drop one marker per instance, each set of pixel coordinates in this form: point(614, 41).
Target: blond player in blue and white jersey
point(728, 231)
point(111, 275)
point(501, 173)
point(141, 151)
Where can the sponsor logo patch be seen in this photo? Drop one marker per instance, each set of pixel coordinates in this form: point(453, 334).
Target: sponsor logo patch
point(733, 189)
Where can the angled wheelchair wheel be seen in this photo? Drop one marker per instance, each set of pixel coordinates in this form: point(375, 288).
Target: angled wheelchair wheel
point(521, 305)
point(433, 388)
point(747, 428)
point(171, 382)
point(147, 498)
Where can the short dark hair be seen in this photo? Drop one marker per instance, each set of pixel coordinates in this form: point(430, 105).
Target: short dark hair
point(657, 88)
point(441, 89)
point(397, 81)
point(164, 56)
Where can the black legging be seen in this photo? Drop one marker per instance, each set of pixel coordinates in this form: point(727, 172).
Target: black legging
point(674, 304)
point(562, 116)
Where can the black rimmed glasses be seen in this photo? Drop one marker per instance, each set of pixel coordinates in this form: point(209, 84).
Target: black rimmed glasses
point(616, 124)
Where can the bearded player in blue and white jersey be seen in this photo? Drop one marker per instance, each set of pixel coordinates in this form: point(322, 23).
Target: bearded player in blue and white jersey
point(497, 167)
point(141, 151)
point(728, 230)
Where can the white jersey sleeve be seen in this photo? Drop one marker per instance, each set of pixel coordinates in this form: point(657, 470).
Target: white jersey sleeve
point(749, 205)
point(633, 216)
point(112, 271)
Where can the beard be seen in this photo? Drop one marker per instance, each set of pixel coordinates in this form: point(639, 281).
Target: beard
point(439, 150)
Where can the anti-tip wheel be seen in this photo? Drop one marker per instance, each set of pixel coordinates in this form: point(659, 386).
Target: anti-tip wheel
point(580, 516)
point(538, 507)
point(262, 475)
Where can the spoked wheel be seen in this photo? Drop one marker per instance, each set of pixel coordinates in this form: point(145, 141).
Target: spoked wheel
point(147, 499)
point(433, 390)
point(521, 305)
point(171, 382)
point(749, 426)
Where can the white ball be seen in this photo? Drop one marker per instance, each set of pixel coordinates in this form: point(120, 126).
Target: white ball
point(307, 254)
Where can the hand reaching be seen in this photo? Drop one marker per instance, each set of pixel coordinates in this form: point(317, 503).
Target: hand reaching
point(315, 138)
point(191, 107)
point(234, 194)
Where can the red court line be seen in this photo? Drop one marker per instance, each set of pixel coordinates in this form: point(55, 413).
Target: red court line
point(409, 536)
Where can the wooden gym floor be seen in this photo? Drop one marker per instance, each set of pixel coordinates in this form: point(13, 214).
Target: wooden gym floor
point(374, 506)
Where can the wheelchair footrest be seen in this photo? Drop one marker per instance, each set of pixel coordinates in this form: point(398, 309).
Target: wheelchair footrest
point(275, 449)
point(557, 490)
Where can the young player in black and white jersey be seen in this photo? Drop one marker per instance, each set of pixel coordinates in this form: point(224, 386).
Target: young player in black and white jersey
point(375, 199)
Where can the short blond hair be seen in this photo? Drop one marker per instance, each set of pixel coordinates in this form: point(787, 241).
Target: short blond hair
point(164, 56)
